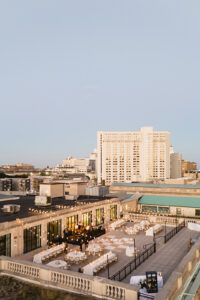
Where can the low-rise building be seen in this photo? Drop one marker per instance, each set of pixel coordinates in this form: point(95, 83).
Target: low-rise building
point(98, 190)
point(32, 227)
point(179, 205)
point(188, 166)
point(52, 190)
point(157, 189)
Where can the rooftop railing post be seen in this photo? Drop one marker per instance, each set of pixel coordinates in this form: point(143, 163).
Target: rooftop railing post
point(108, 268)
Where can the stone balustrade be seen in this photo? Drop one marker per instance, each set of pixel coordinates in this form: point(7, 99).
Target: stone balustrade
point(68, 280)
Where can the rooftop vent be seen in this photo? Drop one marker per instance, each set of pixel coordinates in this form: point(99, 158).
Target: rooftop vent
point(43, 201)
point(11, 208)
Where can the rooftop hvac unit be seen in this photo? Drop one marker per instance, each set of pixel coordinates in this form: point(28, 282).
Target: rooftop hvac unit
point(43, 201)
point(11, 208)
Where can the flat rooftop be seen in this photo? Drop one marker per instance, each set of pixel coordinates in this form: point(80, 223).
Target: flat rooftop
point(152, 185)
point(28, 202)
point(170, 201)
point(7, 197)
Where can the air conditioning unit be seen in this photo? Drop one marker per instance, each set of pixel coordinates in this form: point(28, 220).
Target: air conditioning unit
point(43, 201)
point(11, 208)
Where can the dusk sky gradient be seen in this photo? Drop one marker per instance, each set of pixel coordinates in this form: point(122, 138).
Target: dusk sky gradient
point(70, 68)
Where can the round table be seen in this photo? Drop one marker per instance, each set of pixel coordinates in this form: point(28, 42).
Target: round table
point(57, 264)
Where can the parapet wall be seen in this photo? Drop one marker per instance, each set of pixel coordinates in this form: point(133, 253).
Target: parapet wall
point(175, 284)
point(67, 280)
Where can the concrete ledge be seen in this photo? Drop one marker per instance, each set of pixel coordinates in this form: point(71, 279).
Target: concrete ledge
point(175, 284)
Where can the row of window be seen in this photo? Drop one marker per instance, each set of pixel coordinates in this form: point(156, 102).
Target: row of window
point(165, 209)
point(32, 235)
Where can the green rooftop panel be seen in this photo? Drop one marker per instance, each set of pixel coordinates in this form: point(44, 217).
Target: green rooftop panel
point(170, 201)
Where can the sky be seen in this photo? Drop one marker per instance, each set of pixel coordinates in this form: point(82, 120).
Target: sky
point(71, 68)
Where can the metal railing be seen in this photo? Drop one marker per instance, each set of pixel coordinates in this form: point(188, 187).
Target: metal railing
point(132, 265)
point(173, 232)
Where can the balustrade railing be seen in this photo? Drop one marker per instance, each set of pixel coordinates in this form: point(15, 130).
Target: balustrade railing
point(23, 269)
point(68, 280)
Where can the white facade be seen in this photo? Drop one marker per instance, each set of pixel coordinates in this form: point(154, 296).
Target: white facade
point(133, 156)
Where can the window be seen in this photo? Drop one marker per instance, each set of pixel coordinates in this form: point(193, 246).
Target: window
point(149, 208)
point(163, 209)
point(113, 212)
point(71, 222)
point(99, 216)
point(197, 212)
point(87, 218)
point(178, 211)
point(53, 230)
point(5, 245)
point(32, 238)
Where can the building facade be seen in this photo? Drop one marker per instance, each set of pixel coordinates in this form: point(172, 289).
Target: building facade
point(175, 165)
point(133, 156)
point(188, 166)
point(29, 233)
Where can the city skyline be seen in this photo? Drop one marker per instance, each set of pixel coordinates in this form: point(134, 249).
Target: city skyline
point(70, 70)
point(85, 155)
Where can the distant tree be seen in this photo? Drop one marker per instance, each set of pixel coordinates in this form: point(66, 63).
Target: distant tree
point(2, 175)
point(42, 174)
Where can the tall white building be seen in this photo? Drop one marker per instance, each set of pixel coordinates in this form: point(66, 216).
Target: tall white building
point(133, 156)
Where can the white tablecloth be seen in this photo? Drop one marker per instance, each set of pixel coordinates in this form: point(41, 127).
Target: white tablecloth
point(51, 251)
point(92, 267)
point(57, 263)
point(130, 251)
point(76, 256)
point(155, 229)
point(193, 226)
point(117, 224)
point(94, 248)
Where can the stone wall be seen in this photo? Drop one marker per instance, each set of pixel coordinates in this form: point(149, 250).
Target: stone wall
point(67, 280)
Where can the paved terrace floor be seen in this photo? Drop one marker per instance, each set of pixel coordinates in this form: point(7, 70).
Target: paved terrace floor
point(168, 256)
point(141, 239)
point(165, 260)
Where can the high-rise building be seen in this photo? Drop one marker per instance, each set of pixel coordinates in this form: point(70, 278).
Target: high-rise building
point(133, 156)
point(175, 165)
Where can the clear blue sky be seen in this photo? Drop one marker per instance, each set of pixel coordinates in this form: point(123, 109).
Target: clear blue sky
point(70, 68)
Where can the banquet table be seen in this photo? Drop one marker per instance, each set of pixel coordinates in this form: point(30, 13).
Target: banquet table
point(76, 256)
point(193, 226)
point(153, 230)
point(117, 224)
point(94, 248)
point(131, 230)
point(99, 263)
point(130, 251)
point(57, 264)
point(38, 258)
